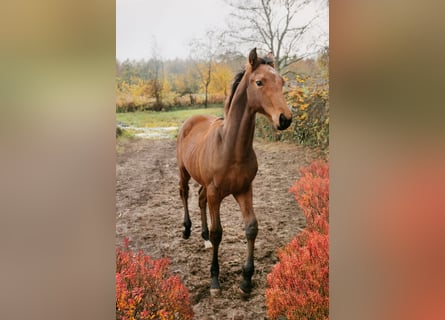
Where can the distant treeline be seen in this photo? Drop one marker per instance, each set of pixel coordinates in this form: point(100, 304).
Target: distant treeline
point(155, 84)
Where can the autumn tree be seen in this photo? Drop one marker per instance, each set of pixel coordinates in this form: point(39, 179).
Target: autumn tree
point(185, 83)
point(221, 77)
point(125, 70)
point(203, 52)
point(156, 75)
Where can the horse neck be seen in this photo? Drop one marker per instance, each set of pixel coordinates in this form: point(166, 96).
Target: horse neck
point(239, 126)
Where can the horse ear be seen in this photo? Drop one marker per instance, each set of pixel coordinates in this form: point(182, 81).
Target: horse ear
point(270, 59)
point(253, 59)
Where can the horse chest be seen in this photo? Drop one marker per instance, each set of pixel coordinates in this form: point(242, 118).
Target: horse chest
point(237, 178)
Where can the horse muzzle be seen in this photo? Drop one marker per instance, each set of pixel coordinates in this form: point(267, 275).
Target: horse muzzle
point(284, 122)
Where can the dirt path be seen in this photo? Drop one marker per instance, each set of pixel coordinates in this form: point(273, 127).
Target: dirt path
point(150, 214)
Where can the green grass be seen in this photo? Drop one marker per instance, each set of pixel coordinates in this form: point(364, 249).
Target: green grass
point(174, 118)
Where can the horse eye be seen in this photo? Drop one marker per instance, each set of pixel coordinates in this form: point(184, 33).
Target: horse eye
point(259, 83)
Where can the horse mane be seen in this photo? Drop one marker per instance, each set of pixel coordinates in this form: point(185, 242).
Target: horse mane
point(235, 84)
point(237, 80)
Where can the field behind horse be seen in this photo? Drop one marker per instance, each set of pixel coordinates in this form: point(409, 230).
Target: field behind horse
point(169, 118)
point(150, 214)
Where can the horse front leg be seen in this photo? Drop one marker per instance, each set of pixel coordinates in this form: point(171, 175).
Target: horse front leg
point(251, 228)
point(215, 236)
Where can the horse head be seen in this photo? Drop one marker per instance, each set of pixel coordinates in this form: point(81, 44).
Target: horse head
point(265, 90)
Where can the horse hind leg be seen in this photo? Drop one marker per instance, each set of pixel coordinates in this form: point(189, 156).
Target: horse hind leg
point(184, 178)
point(203, 208)
point(215, 237)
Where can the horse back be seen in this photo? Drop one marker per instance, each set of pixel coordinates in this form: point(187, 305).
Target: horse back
point(193, 137)
point(195, 125)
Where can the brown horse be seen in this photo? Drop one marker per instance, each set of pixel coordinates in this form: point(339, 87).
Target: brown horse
point(218, 154)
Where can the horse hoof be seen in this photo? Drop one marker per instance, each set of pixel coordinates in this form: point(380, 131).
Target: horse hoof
point(215, 292)
point(246, 288)
point(243, 295)
point(186, 234)
point(205, 235)
point(207, 244)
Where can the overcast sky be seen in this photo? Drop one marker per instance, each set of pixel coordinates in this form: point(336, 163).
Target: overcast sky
point(172, 22)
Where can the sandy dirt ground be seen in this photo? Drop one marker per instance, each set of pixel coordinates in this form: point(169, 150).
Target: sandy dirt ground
point(150, 213)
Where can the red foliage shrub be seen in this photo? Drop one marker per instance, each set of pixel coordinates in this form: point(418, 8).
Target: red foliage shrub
point(312, 194)
point(298, 286)
point(146, 290)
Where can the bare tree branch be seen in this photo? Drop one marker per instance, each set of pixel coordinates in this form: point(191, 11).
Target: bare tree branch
point(275, 25)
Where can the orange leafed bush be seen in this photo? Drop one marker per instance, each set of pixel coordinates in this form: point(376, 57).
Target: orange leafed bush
point(312, 194)
point(298, 286)
point(146, 290)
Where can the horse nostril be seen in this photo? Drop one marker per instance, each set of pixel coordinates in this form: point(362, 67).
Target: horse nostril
point(284, 123)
